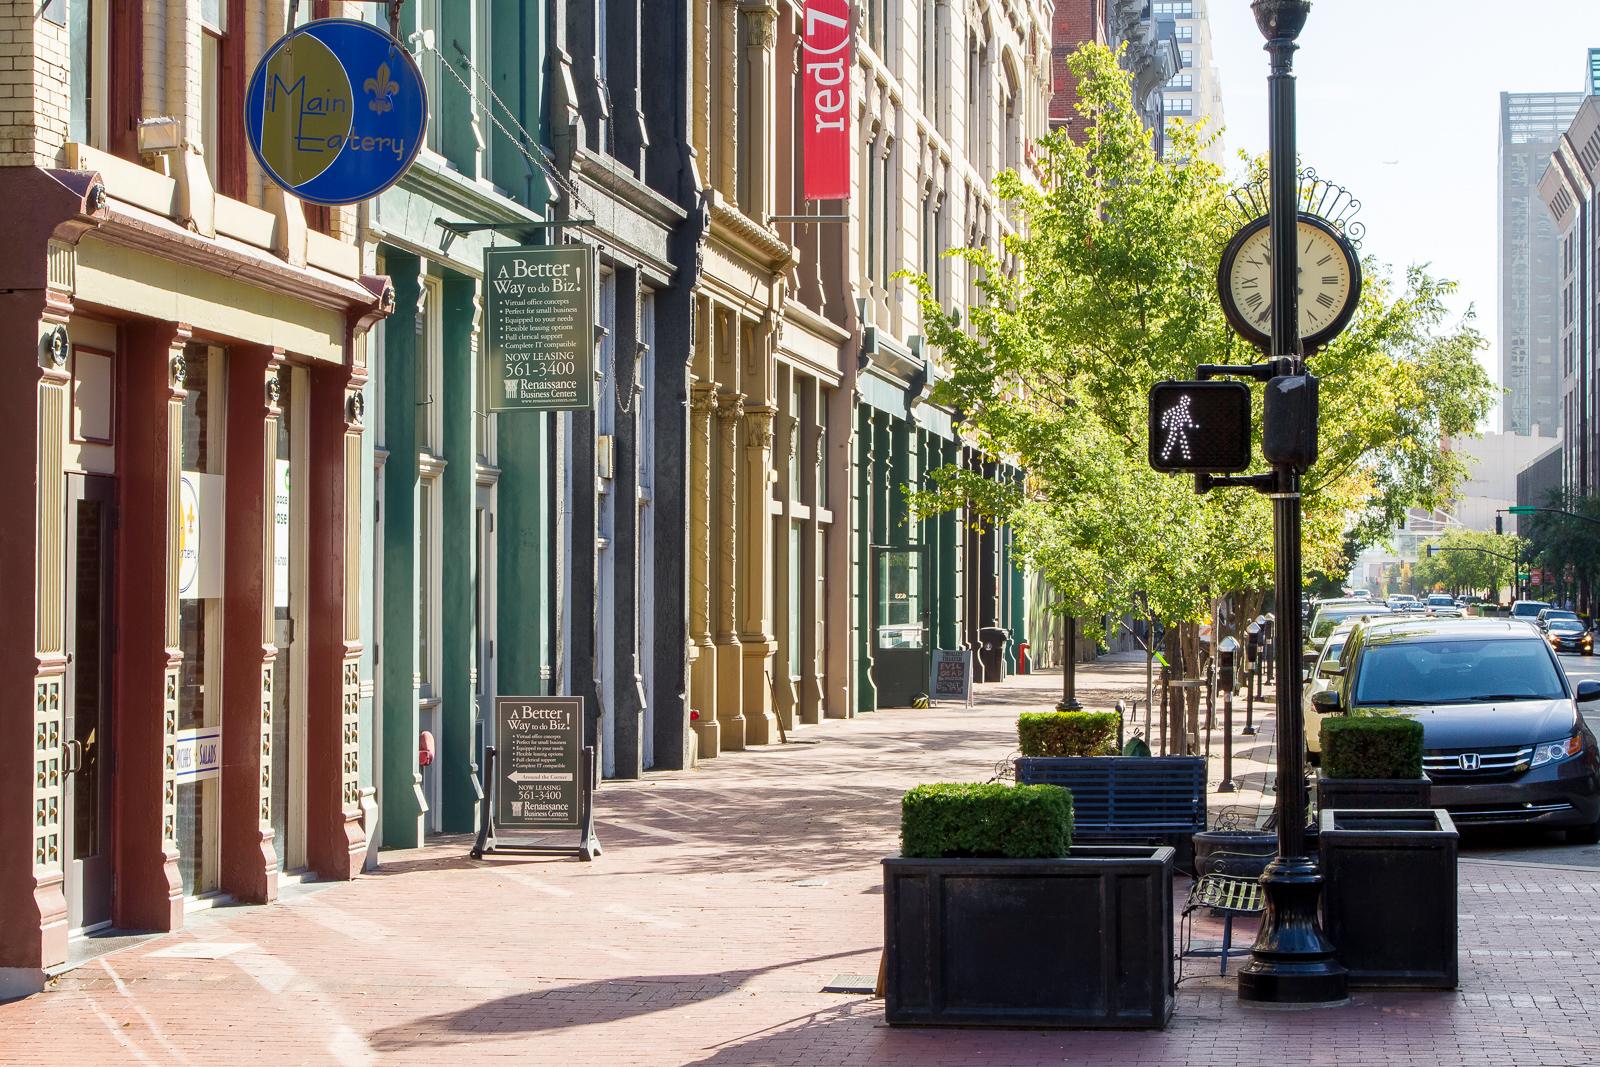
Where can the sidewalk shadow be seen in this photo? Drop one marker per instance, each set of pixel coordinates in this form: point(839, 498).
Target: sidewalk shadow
point(583, 1004)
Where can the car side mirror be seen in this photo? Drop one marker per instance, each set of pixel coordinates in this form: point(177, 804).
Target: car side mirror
point(1327, 701)
point(1588, 690)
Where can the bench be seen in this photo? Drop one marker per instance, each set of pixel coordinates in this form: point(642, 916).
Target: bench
point(1128, 800)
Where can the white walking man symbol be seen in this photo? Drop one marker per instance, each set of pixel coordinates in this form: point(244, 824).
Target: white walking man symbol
point(1176, 422)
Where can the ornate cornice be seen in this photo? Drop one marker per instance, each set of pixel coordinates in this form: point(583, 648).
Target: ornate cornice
point(738, 229)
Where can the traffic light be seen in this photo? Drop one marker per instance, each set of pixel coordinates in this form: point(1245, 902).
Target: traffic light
point(1499, 524)
point(1200, 427)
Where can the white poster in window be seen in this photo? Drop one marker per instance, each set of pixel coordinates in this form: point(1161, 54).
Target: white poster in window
point(199, 534)
point(280, 536)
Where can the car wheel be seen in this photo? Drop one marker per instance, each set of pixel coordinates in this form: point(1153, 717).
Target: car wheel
point(1584, 835)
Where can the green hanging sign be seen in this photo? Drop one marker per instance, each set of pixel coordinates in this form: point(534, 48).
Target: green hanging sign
point(539, 317)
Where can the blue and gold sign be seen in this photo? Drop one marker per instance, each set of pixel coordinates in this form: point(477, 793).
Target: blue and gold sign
point(336, 111)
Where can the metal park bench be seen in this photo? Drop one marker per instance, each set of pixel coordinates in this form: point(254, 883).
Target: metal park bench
point(1128, 800)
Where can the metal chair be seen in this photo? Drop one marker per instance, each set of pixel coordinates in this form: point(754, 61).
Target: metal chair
point(1231, 895)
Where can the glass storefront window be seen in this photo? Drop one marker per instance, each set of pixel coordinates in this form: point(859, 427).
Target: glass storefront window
point(199, 538)
point(899, 613)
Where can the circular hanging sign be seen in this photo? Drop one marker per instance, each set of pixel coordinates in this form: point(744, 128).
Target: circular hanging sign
point(336, 111)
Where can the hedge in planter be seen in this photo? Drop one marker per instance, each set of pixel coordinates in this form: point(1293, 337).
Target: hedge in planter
point(1371, 746)
point(947, 819)
point(1068, 733)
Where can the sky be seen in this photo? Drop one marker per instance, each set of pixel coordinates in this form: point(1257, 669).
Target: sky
point(1399, 101)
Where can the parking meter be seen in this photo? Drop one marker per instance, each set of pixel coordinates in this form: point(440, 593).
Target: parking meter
point(1226, 653)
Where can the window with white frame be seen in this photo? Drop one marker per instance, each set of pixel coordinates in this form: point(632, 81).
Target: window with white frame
point(88, 27)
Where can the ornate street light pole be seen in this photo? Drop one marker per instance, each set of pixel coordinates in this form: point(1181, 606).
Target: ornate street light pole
point(1291, 962)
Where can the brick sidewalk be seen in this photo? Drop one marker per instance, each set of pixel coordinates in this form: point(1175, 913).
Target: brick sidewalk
point(689, 941)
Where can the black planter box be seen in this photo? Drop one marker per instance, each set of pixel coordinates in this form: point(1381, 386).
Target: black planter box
point(1389, 896)
point(1084, 941)
point(1384, 793)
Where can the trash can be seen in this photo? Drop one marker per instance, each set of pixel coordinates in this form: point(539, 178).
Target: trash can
point(992, 653)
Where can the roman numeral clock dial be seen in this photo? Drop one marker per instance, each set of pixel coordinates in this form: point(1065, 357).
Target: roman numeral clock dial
point(1329, 277)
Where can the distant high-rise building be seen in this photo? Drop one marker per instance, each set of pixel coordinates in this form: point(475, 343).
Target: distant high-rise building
point(1591, 80)
point(1531, 124)
point(1195, 92)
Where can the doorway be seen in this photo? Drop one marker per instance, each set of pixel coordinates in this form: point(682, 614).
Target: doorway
point(87, 816)
point(288, 599)
point(900, 651)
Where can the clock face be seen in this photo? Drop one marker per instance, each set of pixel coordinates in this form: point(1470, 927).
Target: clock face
point(1330, 282)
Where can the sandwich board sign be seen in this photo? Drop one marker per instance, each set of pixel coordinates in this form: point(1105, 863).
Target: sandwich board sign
point(539, 312)
point(952, 675)
point(541, 776)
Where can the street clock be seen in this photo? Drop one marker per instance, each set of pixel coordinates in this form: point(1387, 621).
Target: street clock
point(1330, 282)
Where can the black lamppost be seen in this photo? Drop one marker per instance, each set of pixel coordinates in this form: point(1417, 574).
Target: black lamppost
point(1291, 962)
point(1069, 666)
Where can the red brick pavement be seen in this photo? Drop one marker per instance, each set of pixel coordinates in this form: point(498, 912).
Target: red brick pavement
point(689, 942)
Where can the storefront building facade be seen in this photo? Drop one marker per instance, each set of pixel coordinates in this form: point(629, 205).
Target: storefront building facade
point(186, 355)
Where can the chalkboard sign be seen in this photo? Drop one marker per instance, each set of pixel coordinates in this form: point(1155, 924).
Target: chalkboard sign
point(952, 675)
point(540, 308)
point(537, 765)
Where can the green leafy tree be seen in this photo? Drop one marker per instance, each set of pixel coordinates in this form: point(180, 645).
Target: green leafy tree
point(1473, 561)
point(1107, 286)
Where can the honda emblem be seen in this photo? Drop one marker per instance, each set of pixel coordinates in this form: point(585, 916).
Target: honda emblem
point(1469, 761)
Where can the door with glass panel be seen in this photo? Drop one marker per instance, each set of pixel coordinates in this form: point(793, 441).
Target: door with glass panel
point(288, 598)
point(900, 624)
point(87, 798)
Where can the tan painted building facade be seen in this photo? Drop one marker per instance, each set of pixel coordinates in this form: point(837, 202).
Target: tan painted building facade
point(809, 373)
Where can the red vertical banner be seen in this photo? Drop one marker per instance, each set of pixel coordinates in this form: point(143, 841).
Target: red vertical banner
point(827, 62)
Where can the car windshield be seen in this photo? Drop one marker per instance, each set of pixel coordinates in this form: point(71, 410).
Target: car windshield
point(1566, 625)
point(1527, 609)
point(1335, 645)
point(1552, 616)
point(1328, 620)
point(1458, 672)
point(1441, 602)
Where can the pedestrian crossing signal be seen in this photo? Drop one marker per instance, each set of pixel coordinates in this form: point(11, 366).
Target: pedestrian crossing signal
point(1200, 427)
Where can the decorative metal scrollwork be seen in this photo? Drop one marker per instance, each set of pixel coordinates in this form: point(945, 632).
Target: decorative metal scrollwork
point(1317, 196)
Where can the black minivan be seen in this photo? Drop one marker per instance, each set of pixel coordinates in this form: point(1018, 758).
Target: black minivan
point(1503, 738)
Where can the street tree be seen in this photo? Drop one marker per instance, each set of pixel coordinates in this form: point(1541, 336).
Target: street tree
point(1107, 286)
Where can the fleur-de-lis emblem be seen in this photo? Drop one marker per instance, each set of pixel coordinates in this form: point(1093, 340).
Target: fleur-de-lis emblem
point(382, 90)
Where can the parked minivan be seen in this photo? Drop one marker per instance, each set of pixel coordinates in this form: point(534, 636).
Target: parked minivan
point(1503, 739)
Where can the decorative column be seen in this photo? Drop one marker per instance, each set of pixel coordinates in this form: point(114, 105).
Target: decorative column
point(149, 894)
point(730, 695)
point(703, 667)
point(787, 567)
point(335, 841)
point(763, 19)
point(49, 633)
point(248, 868)
point(755, 632)
point(727, 124)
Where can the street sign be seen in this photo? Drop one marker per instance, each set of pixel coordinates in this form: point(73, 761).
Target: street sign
point(1200, 427)
point(540, 320)
point(952, 675)
point(1520, 510)
point(537, 745)
point(336, 111)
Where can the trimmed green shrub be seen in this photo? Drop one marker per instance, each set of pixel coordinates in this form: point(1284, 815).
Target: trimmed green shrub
point(947, 819)
point(1068, 733)
point(1371, 746)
